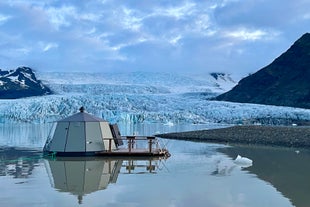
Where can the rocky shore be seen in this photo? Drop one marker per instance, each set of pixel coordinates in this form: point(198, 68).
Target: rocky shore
point(287, 136)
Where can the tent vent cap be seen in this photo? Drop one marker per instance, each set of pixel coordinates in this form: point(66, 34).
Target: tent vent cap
point(82, 109)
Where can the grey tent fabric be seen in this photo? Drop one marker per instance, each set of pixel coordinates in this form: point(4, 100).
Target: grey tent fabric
point(80, 133)
point(82, 116)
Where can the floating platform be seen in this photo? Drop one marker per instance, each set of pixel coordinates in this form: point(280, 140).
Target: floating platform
point(135, 152)
point(131, 148)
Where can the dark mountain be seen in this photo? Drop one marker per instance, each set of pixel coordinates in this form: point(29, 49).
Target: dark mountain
point(285, 82)
point(20, 83)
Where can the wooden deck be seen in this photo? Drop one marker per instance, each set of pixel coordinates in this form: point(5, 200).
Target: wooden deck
point(150, 151)
point(129, 148)
point(135, 152)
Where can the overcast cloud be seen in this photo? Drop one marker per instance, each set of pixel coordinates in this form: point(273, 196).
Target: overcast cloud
point(234, 36)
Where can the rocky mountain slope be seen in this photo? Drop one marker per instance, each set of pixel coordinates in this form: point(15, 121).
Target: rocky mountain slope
point(20, 83)
point(285, 82)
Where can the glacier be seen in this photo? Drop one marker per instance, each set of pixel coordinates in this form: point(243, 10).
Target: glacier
point(143, 97)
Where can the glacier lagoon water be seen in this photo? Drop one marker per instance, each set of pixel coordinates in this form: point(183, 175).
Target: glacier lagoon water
point(197, 174)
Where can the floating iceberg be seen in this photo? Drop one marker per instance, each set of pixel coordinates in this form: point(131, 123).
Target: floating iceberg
point(243, 162)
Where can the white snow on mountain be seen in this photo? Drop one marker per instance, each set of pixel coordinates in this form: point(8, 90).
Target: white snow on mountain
point(19, 77)
point(17, 82)
point(174, 83)
point(141, 98)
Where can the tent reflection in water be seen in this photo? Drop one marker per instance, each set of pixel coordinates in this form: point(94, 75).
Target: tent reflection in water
point(82, 176)
point(82, 134)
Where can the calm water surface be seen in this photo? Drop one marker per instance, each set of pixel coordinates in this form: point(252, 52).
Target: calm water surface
point(197, 174)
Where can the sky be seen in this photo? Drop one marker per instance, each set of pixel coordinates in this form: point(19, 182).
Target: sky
point(190, 36)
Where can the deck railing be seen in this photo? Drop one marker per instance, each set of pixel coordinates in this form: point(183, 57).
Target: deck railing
point(132, 143)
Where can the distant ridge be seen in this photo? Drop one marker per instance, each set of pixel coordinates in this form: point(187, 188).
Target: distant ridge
point(20, 83)
point(285, 82)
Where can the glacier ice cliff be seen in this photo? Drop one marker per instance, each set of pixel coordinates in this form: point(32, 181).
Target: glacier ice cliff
point(142, 98)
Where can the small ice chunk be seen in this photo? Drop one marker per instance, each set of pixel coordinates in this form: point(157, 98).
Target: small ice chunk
point(243, 161)
point(169, 123)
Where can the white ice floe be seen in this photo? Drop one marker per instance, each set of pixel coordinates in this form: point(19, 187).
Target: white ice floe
point(226, 166)
point(169, 123)
point(243, 161)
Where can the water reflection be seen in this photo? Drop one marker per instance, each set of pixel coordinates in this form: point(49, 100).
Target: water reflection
point(286, 169)
point(24, 134)
point(225, 167)
point(84, 175)
point(185, 182)
point(18, 163)
point(35, 135)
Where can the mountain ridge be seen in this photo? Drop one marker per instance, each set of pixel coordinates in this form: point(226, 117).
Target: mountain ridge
point(20, 83)
point(284, 82)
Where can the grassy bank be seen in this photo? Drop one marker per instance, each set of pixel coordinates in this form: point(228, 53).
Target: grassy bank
point(288, 136)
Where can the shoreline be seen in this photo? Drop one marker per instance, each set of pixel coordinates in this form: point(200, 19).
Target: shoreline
point(284, 136)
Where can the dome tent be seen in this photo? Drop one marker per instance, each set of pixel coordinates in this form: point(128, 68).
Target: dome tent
point(81, 134)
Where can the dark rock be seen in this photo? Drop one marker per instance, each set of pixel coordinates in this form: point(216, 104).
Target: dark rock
point(285, 82)
point(20, 83)
point(287, 136)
